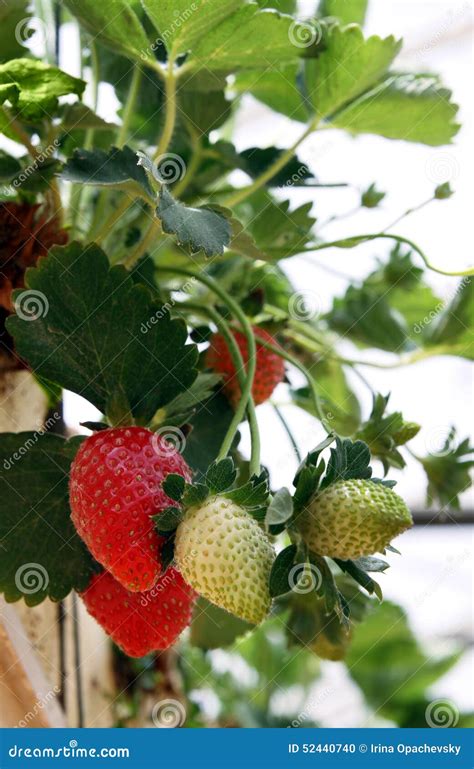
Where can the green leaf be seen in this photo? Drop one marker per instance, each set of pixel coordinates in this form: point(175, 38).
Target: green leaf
point(278, 231)
point(168, 520)
point(347, 11)
point(213, 628)
point(205, 113)
point(183, 407)
point(78, 339)
point(280, 508)
point(350, 459)
point(348, 66)
point(9, 167)
point(366, 316)
point(182, 24)
point(115, 23)
point(42, 556)
point(277, 87)
point(80, 117)
point(223, 36)
point(33, 88)
point(360, 576)
point(448, 471)
point(221, 475)
point(167, 553)
point(294, 174)
point(384, 432)
point(195, 228)
point(279, 575)
point(454, 326)
point(16, 27)
point(371, 197)
point(173, 486)
point(414, 108)
point(116, 168)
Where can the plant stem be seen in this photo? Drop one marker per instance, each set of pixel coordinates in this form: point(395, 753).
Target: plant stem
point(408, 212)
point(343, 243)
point(153, 231)
point(239, 366)
point(251, 348)
point(287, 429)
point(130, 105)
point(104, 231)
point(170, 117)
point(301, 367)
point(273, 169)
point(196, 158)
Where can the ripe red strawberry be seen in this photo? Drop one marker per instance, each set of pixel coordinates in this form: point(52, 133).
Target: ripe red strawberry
point(269, 372)
point(115, 486)
point(141, 622)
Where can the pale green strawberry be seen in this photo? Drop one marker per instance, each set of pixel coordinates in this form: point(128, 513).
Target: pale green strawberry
point(225, 556)
point(353, 518)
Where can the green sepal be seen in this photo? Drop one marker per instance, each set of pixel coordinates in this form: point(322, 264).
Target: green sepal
point(221, 475)
point(360, 576)
point(280, 508)
point(279, 576)
point(167, 554)
point(168, 520)
point(174, 486)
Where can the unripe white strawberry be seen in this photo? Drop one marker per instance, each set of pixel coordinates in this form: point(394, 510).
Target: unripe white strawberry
point(225, 556)
point(353, 518)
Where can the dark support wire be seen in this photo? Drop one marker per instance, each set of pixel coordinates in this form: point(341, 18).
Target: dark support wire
point(62, 655)
point(57, 27)
point(77, 662)
point(288, 432)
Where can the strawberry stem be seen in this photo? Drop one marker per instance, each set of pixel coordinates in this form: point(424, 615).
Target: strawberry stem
point(239, 366)
point(251, 346)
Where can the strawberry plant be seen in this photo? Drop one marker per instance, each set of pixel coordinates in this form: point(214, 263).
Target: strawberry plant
point(139, 272)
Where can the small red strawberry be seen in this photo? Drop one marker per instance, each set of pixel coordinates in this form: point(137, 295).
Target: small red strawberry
point(269, 372)
point(115, 488)
point(141, 622)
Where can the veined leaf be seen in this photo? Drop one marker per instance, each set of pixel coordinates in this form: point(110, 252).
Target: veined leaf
point(411, 107)
point(195, 228)
point(42, 555)
point(347, 11)
point(33, 88)
point(115, 23)
point(348, 66)
point(79, 337)
point(278, 88)
point(116, 168)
